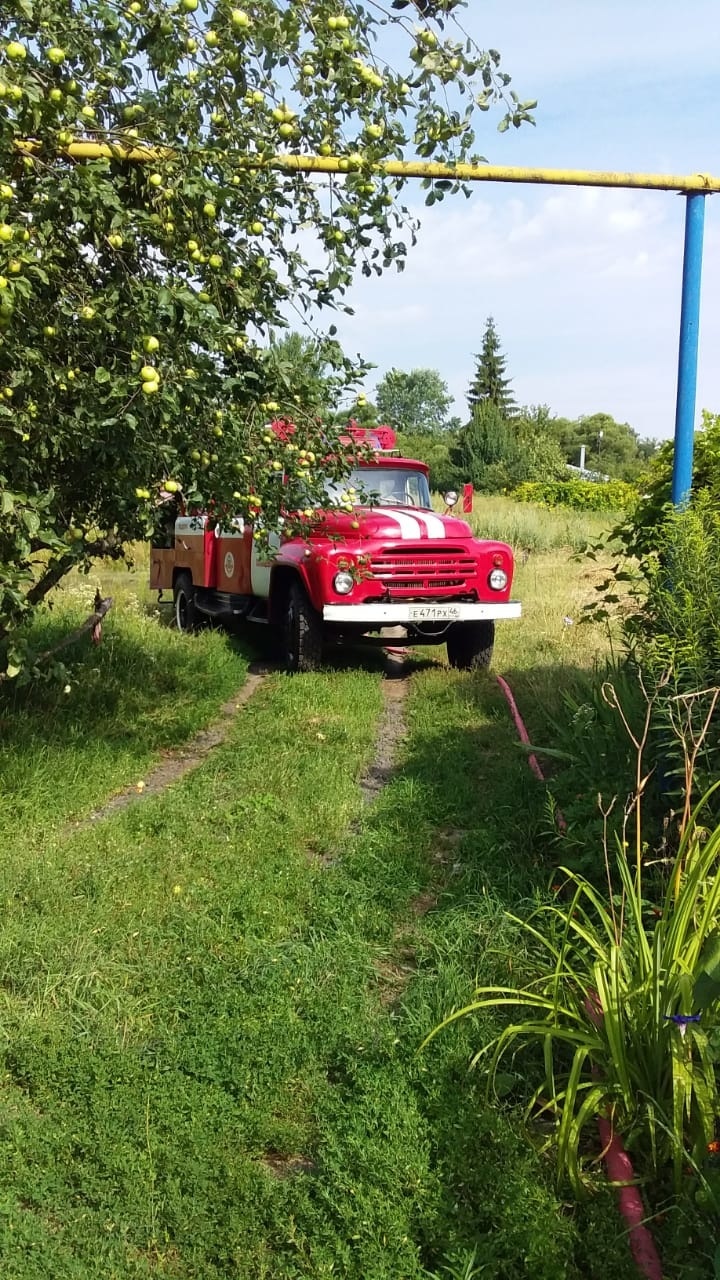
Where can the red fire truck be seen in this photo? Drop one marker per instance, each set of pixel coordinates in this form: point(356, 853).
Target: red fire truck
point(389, 563)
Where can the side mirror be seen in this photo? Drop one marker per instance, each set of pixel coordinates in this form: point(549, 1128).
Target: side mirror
point(450, 499)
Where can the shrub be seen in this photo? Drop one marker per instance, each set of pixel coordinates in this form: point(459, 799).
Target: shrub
point(580, 495)
point(674, 637)
point(649, 514)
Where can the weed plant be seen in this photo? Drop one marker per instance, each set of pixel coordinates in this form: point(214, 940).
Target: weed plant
point(623, 998)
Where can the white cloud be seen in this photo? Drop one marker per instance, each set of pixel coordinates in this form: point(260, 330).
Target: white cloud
point(584, 286)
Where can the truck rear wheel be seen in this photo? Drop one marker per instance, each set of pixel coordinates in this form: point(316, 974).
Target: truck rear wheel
point(470, 645)
point(186, 616)
point(302, 632)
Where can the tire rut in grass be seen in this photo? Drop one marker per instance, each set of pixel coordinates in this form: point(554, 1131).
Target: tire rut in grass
point(395, 970)
point(179, 761)
point(391, 731)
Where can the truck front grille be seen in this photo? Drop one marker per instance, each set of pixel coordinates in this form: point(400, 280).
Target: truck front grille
point(415, 570)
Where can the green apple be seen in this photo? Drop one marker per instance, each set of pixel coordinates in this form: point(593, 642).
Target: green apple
point(49, 331)
point(189, 5)
point(240, 19)
point(150, 388)
point(3, 282)
point(256, 228)
point(209, 209)
point(195, 455)
point(115, 241)
point(171, 486)
point(155, 180)
point(56, 55)
point(6, 191)
point(87, 313)
point(150, 344)
point(212, 39)
point(6, 233)
point(308, 69)
point(149, 373)
point(15, 51)
point(193, 245)
point(88, 113)
point(286, 130)
point(14, 267)
point(55, 95)
point(215, 261)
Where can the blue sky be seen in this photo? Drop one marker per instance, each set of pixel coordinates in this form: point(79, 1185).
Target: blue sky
point(584, 285)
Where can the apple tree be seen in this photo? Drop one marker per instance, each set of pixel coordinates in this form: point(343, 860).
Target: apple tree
point(140, 277)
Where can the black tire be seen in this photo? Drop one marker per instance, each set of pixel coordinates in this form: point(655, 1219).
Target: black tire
point(470, 645)
point(186, 615)
point(302, 632)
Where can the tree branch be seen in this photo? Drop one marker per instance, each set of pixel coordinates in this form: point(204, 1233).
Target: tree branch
point(93, 623)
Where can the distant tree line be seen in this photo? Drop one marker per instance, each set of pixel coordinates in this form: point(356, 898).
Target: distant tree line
point(500, 445)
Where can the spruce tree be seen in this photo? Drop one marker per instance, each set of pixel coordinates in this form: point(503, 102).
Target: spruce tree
point(490, 383)
point(486, 448)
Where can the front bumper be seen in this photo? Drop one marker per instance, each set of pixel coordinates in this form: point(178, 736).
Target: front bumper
point(413, 612)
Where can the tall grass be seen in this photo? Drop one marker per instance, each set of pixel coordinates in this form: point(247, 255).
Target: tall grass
point(527, 527)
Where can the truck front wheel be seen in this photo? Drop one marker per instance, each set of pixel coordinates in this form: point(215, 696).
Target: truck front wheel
point(470, 645)
point(302, 632)
point(186, 618)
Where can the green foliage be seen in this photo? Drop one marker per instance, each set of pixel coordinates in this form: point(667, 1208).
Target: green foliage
point(490, 382)
point(538, 456)
point(649, 514)
point(611, 447)
point(611, 974)
point(486, 448)
point(416, 402)
point(310, 372)
point(435, 450)
point(579, 495)
point(119, 276)
point(674, 637)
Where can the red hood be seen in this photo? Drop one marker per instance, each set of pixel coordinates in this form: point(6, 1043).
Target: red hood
point(393, 524)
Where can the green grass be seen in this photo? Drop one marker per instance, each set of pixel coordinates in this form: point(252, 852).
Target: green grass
point(143, 689)
point(238, 973)
point(537, 529)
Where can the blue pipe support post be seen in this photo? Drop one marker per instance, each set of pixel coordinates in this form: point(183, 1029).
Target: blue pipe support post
point(688, 351)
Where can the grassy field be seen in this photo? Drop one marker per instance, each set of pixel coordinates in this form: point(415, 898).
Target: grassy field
point(213, 1002)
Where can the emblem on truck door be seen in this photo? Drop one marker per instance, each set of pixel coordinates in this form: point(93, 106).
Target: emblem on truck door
point(229, 564)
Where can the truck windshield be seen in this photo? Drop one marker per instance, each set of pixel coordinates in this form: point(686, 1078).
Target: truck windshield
point(382, 487)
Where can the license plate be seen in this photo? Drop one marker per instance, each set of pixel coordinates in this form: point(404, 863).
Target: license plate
point(434, 612)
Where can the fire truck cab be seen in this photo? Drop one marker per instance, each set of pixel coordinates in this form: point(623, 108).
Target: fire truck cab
point(389, 562)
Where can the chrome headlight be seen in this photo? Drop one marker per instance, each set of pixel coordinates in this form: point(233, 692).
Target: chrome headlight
point(343, 582)
point(498, 580)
